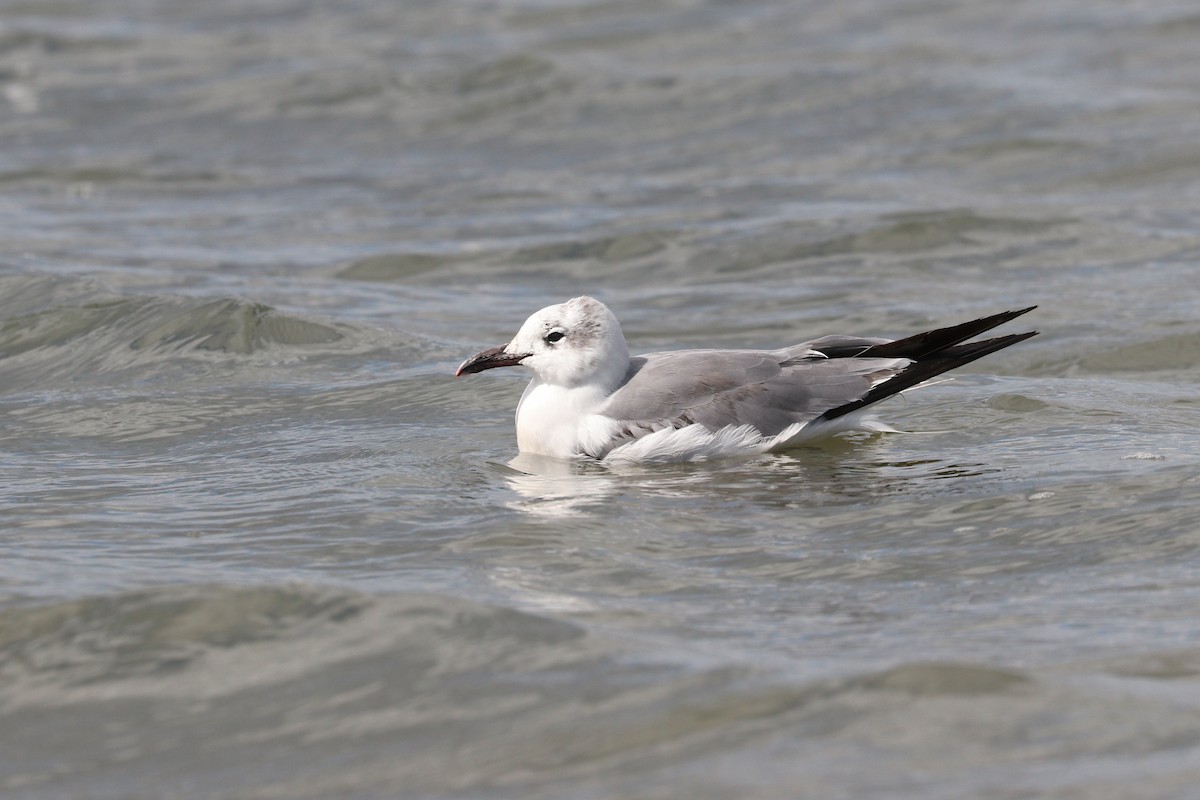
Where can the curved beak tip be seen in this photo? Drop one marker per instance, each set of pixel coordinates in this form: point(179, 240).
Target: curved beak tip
point(488, 359)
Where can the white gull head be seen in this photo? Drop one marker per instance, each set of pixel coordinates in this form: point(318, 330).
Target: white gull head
point(570, 345)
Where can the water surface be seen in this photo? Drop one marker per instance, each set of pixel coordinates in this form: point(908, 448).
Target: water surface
point(255, 541)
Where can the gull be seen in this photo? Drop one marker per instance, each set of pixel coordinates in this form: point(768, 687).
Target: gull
point(589, 399)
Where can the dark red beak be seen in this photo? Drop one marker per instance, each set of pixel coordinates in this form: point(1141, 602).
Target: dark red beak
point(489, 359)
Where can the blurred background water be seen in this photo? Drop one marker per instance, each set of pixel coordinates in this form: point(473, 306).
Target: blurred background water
point(255, 541)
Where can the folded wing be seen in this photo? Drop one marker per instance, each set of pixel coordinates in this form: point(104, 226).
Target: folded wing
point(814, 381)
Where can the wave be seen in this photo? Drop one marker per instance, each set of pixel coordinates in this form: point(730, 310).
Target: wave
point(56, 330)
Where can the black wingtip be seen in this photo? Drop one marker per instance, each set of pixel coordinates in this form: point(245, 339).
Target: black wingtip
point(932, 343)
point(942, 360)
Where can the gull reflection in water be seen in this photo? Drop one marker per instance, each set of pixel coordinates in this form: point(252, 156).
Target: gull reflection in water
point(552, 487)
point(835, 471)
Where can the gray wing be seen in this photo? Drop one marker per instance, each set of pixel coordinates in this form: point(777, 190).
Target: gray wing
point(767, 389)
point(825, 378)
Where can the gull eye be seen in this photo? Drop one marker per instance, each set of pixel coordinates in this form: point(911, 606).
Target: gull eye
point(554, 337)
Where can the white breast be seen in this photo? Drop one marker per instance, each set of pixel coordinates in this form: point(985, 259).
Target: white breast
point(559, 422)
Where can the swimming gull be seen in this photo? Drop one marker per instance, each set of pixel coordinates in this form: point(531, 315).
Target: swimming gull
point(590, 399)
